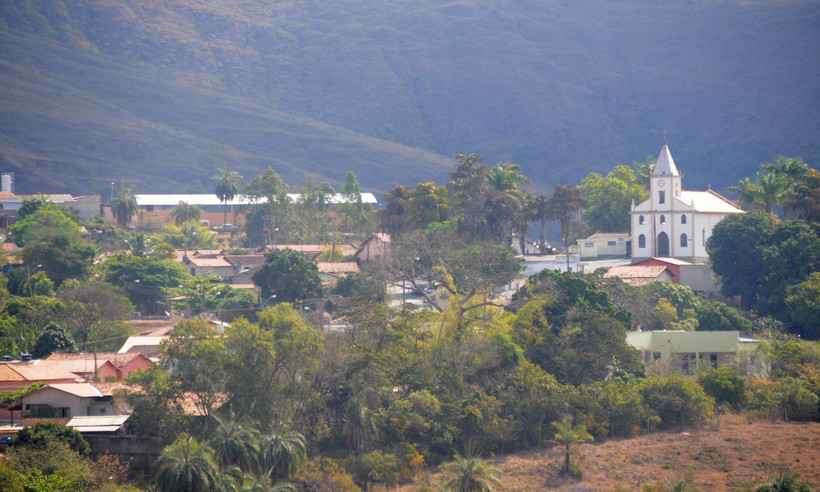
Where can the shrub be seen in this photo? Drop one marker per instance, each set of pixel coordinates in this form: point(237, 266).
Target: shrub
point(725, 385)
point(43, 434)
point(676, 400)
point(797, 400)
point(785, 482)
point(324, 474)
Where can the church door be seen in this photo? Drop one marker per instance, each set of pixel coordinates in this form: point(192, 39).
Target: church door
point(663, 244)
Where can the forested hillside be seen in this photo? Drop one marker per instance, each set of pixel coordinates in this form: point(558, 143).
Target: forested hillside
point(160, 94)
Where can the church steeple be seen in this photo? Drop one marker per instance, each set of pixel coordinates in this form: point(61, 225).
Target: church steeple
point(665, 165)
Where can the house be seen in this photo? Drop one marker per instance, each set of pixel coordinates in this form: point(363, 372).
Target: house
point(203, 263)
point(638, 275)
point(154, 210)
point(110, 366)
point(314, 251)
point(376, 248)
point(66, 400)
point(331, 272)
point(697, 276)
point(22, 374)
point(604, 245)
point(689, 351)
point(85, 206)
point(149, 346)
point(673, 222)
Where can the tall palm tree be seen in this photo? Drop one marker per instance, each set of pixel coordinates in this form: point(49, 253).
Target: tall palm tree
point(185, 213)
point(227, 187)
point(564, 207)
point(541, 213)
point(124, 206)
point(282, 453)
point(187, 466)
point(567, 435)
point(235, 444)
point(506, 176)
point(471, 475)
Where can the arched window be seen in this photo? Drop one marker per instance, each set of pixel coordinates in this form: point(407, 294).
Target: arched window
point(683, 219)
point(663, 219)
point(684, 241)
point(641, 241)
point(640, 220)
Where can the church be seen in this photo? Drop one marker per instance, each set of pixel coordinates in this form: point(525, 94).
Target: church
point(673, 222)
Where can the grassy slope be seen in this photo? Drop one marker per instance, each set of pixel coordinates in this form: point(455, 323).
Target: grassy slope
point(736, 456)
point(561, 87)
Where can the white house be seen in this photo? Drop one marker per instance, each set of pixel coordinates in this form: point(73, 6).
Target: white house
point(603, 245)
point(674, 222)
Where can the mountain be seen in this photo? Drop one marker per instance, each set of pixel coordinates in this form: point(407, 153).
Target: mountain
point(160, 94)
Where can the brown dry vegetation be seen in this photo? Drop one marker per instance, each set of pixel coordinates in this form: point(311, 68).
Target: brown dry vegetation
point(734, 456)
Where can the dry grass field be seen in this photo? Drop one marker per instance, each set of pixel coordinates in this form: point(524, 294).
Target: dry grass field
point(734, 456)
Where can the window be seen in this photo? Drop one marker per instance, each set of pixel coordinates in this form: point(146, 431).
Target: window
point(663, 219)
point(684, 241)
point(611, 243)
point(713, 360)
point(589, 245)
point(641, 241)
point(661, 197)
point(640, 220)
point(683, 219)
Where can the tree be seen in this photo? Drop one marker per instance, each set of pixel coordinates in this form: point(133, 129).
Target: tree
point(564, 205)
point(272, 215)
point(288, 276)
point(354, 210)
point(124, 206)
point(736, 252)
point(235, 444)
point(183, 213)
point(719, 316)
point(61, 255)
point(96, 310)
point(53, 339)
point(200, 294)
point(471, 475)
point(144, 279)
point(607, 199)
point(47, 221)
point(567, 434)
point(803, 302)
point(541, 213)
point(30, 206)
point(188, 235)
point(226, 188)
point(187, 466)
point(283, 453)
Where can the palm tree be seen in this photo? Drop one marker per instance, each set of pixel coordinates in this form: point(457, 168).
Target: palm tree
point(766, 192)
point(567, 435)
point(282, 453)
point(541, 213)
point(506, 176)
point(227, 187)
point(187, 466)
point(185, 213)
point(235, 444)
point(471, 475)
point(564, 206)
point(124, 206)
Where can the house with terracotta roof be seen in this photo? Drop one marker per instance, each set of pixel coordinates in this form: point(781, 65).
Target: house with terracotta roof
point(22, 374)
point(102, 366)
point(675, 222)
point(638, 275)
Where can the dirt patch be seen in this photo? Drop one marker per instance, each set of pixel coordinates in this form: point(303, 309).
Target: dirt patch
point(736, 454)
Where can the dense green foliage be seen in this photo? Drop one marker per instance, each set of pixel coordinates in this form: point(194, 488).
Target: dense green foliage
point(288, 276)
point(144, 279)
point(608, 198)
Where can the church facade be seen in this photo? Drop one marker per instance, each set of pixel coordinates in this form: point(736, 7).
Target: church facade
point(673, 222)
